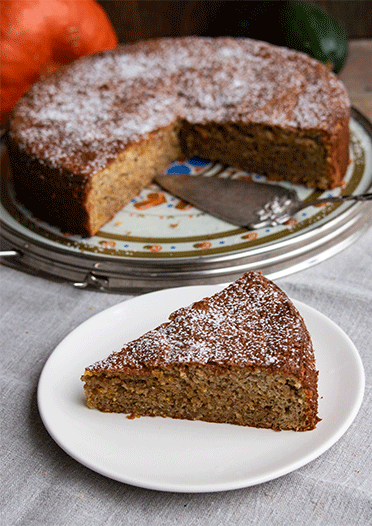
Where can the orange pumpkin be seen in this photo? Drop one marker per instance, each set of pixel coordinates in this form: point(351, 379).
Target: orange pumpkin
point(39, 36)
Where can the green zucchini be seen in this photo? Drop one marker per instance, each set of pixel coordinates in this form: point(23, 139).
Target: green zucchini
point(298, 25)
point(309, 29)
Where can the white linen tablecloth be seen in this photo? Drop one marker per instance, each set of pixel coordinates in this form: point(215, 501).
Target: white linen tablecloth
point(41, 485)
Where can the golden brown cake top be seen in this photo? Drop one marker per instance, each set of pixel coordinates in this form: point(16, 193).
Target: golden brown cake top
point(251, 323)
point(80, 117)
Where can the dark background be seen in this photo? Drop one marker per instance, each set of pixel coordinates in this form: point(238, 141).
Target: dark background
point(137, 20)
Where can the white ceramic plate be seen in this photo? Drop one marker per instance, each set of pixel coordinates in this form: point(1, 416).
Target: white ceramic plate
point(182, 456)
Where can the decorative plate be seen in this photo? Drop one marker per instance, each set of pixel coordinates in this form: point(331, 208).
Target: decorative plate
point(158, 240)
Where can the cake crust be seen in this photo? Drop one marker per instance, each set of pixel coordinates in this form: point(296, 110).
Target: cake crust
point(229, 100)
point(242, 356)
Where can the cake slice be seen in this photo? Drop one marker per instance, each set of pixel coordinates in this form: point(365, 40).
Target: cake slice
point(242, 356)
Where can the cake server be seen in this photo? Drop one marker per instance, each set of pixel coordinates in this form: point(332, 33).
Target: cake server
point(243, 203)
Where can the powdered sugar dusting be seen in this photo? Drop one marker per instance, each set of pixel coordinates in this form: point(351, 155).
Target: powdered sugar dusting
point(81, 117)
point(251, 323)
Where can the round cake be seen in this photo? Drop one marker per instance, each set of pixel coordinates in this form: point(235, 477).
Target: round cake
point(86, 139)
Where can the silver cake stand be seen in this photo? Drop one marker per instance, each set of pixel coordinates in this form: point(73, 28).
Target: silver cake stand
point(157, 241)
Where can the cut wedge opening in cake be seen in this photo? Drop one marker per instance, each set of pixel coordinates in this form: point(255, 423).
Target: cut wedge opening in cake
point(242, 356)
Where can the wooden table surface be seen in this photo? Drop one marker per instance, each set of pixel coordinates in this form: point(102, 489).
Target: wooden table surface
point(357, 75)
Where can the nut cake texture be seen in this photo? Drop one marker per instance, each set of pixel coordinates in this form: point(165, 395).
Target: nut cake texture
point(86, 139)
point(242, 356)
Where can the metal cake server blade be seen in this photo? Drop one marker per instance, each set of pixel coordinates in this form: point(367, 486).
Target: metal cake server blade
point(241, 202)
